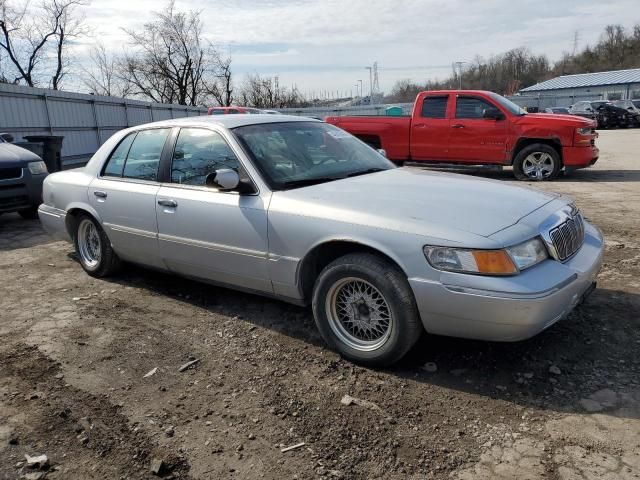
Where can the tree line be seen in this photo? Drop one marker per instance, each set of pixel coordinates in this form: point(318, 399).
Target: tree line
point(518, 68)
point(167, 60)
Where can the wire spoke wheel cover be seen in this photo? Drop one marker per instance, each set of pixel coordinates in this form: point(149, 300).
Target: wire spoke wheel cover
point(89, 244)
point(358, 314)
point(538, 165)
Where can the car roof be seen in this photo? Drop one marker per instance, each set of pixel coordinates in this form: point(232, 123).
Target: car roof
point(228, 121)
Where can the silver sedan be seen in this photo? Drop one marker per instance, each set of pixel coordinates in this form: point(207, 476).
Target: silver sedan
point(299, 210)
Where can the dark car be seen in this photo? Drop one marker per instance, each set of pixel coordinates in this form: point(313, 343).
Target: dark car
point(21, 175)
point(583, 109)
point(610, 116)
point(557, 110)
point(632, 108)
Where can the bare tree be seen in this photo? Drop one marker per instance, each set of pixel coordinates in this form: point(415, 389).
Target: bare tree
point(263, 92)
point(103, 78)
point(32, 36)
point(221, 89)
point(171, 62)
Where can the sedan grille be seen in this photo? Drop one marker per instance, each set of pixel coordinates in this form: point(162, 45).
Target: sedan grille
point(568, 237)
point(10, 173)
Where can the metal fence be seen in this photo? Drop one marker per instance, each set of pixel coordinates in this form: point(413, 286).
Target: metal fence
point(553, 100)
point(85, 121)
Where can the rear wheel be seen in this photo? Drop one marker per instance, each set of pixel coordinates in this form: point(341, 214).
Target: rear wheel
point(537, 162)
point(93, 248)
point(364, 309)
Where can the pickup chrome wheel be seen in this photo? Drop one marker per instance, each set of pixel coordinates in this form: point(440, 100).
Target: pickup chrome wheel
point(93, 247)
point(537, 162)
point(538, 165)
point(364, 308)
point(358, 314)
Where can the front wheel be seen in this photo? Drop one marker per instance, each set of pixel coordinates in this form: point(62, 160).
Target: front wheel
point(93, 248)
point(537, 162)
point(365, 309)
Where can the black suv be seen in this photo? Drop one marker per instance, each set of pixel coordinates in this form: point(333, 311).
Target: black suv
point(21, 175)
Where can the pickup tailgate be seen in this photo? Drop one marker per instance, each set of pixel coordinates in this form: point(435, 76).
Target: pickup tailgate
point(392, 133)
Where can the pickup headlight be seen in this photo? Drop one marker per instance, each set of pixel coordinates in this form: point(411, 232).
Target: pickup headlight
point(509, 261)
point(584, 131)
point(38, 168)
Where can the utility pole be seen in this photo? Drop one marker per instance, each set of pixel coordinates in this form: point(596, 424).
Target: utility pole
point(360, 81)
point(370, 84)
point(458, 65)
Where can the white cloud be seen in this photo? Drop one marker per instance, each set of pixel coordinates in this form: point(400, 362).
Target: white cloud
point(326, 44)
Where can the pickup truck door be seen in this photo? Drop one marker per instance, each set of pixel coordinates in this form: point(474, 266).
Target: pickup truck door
point(208, 233)
point(475, 139)
point(430, 129)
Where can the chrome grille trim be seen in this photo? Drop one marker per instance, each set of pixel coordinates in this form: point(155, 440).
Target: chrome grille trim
point(567, 237)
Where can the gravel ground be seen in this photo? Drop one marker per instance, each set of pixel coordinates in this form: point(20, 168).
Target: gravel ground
point(89, 374)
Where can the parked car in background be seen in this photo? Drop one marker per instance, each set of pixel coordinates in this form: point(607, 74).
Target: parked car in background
point(633, 110)
point(583, 109)
point(557, 110)
point(233, 110)
point(473, 127)
point(300, 210)
point(21, 175)
point(636, 103)
point(610, 116)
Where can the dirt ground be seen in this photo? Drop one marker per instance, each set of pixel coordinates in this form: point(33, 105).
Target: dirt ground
point(75, 351)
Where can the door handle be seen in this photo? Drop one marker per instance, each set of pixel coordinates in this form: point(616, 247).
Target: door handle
point(168, 203)
point(100, 193)
point(457, 125)
point(420, 125)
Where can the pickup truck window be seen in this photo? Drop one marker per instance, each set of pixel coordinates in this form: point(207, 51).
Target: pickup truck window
point(472, 107)
point(435, 107)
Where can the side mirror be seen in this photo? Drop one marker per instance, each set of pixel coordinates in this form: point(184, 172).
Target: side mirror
point(382, 152)
point(223, 179)
point(492, 114)
point(7, 137)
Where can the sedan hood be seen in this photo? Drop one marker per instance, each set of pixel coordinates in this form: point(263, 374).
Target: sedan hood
point(417, 201)
point(12, 156)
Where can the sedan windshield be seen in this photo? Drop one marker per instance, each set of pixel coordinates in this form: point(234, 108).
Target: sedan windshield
point(297, 154)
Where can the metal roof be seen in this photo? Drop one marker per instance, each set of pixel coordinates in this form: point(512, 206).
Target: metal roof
point(615, 77)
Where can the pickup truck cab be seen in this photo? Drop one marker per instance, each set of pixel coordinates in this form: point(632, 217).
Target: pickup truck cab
point(476, 127)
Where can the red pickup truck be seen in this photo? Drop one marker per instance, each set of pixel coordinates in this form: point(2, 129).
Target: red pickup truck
point(475, 127)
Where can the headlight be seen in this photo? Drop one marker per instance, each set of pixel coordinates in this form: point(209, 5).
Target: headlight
point(584, 131)
point(37, 168)
point(487, 262)
point(529, 253)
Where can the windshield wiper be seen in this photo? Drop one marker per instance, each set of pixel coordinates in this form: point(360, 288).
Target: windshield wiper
point(308, 181)
point(364, 172)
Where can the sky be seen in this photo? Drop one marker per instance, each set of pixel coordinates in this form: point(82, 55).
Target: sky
point(326, 45)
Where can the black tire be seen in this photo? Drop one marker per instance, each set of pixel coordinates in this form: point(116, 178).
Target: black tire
point(535, 149)
point(30, 213)
point(405, 326)
point(108, 261)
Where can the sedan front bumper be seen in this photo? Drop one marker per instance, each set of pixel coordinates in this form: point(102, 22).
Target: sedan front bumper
point(509, 308)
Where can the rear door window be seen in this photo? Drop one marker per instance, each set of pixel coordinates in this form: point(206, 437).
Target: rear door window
point(435, 107)
point(115, 165)
point(144, 155)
